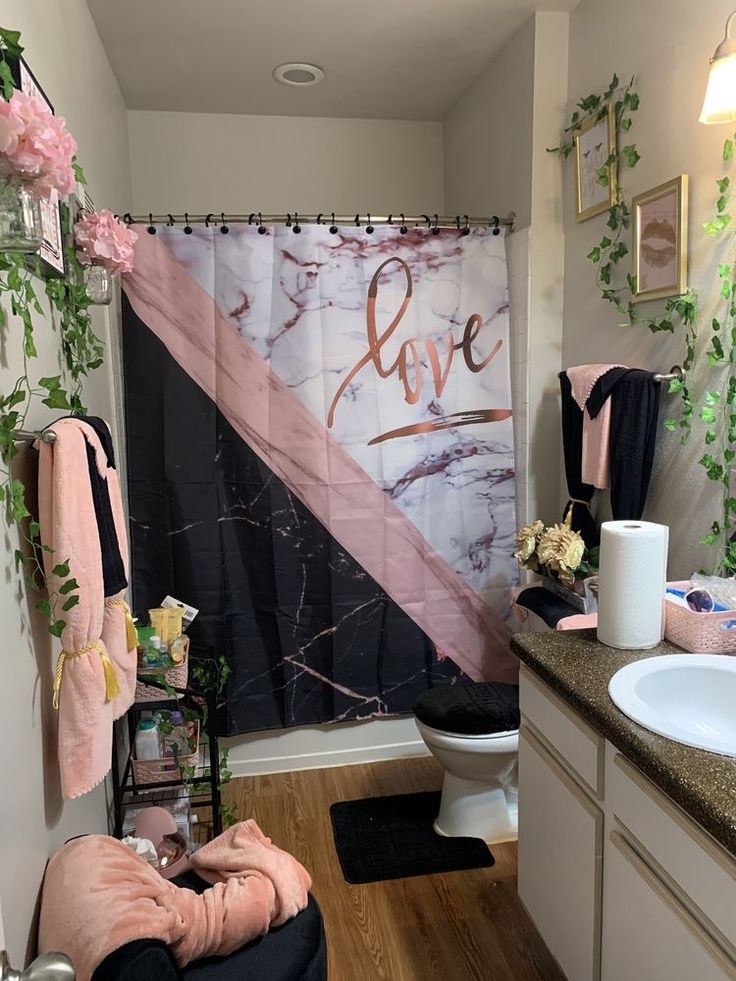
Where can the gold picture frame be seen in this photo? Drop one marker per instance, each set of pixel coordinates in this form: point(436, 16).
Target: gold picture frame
point(659, 246)
point(595, 144)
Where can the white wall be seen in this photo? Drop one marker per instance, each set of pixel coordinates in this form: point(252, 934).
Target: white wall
point(199, 163)
point(496, 161)
point(666, 44)
point(64, 51)
point(488, 136)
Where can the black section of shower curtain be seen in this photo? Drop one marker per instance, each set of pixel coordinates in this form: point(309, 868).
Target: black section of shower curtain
point(309, 635)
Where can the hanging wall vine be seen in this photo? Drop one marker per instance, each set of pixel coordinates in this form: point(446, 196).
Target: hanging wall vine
point(717, 408)
point(81, 352)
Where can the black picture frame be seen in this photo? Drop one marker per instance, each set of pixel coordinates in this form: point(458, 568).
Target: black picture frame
point(49, 262)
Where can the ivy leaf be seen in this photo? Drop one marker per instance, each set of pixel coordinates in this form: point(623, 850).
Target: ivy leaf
point(721, 203)
point(44, 607)
point(712, 398)
point(595, 254)
point(61, 570)
point(710, 437)
point(6, 79)
point(57, 627)
point(675, 386)
point(727, 149)
point(57, 399)
point(50, 384)
point(603, 176)
point(630, 155)
point(707, 415)
point(670, 424)
point(70, 603)
point(68, 586)
point(723, 184)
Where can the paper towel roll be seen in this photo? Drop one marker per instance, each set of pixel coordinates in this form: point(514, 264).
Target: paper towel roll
point(632, 579)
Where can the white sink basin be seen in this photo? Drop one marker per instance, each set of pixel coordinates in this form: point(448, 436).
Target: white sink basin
point(690, 698)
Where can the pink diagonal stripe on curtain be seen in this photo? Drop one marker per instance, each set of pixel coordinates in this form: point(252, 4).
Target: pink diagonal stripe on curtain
point(301, 452)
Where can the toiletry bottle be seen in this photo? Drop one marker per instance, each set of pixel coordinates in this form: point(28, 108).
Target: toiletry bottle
point(147, 740)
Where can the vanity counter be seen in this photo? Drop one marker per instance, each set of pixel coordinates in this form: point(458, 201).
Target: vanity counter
point(578, 668)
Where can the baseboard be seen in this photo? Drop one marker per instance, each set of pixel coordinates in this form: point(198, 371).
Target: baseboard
point(316, 761)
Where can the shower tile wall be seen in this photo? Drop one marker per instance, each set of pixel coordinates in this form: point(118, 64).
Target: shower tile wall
point(517, 254)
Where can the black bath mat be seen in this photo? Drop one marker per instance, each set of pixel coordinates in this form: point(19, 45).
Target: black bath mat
point(392, 837)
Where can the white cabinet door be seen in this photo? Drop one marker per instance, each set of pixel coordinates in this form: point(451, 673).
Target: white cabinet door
point(560, 845)
point(647, 934)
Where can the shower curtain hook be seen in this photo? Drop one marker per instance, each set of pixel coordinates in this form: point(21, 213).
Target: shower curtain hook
point(187, 227)
point(333, 226)
point(466, 226)
point(128, 218)
point(390, 220)
point(261, 229)
point(436, 228)
point(496, 223)
point(297, 227)
point(402, 228)
point(288, 220)
point(369, 228)
point(207, 220)
point(251, 217)
point(357, 221)
point(224, 229)
point(151, 226)
point(428, 220)
point(319, 219)
point(171, 220)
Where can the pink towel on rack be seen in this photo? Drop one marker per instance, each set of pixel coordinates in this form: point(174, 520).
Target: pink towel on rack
point(98, 895)
point(596, 432)
point(95, 671)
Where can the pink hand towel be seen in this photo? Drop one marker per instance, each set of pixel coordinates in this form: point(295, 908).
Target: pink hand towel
point(596, 432)
point(99, 895)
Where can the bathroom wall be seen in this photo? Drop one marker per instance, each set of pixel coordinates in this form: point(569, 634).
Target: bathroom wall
point(666, 45)
point(284, 163)
point(496, 161)
point(488, 136)
point(57, 34)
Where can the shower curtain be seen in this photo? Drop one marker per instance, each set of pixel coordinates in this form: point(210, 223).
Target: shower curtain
point(320, 460)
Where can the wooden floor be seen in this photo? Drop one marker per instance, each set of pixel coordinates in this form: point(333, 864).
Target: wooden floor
point(458, 926)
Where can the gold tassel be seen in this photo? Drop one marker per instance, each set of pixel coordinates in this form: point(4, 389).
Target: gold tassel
point(131, 634)
point(568, 516)
point(112, 686)
point(57, 677)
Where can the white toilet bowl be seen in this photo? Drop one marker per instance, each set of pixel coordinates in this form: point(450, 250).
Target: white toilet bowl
point(479, 793)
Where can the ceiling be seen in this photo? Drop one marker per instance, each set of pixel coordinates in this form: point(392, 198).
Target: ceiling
point(384, 59)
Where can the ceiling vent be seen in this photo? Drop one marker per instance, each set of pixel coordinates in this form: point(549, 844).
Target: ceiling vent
point(297, 73)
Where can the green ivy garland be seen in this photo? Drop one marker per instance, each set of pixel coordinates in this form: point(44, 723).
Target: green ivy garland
point(718, 409)
point(82, 352)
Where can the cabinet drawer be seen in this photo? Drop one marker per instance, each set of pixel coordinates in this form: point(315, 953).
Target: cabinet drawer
point(699, 866)
point(647, 934)
point(559, 865)
point(579, 745)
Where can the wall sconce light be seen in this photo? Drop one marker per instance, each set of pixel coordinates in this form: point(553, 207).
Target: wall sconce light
point(719, 105)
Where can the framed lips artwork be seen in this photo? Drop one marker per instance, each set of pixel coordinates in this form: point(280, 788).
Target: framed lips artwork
point(659, 221)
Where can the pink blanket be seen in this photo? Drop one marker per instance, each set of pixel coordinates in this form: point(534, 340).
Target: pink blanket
point(99, 895)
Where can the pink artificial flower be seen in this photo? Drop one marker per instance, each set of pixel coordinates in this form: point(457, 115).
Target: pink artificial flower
point(104, 240)
point(35, 146)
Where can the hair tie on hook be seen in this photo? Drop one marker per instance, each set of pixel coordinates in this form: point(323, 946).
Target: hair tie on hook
point(128, 218)
point(187, 226)
point(496, 223)
point(224, 225)
point(402, 228)
point(333, 226)
point(261, 229)
point(151, 226)
point(436, 227)
point(369, 228)
point(297, 227)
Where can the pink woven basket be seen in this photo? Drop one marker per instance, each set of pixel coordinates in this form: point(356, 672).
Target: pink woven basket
point(699, 633)
point(166, 769)
point(176, 677)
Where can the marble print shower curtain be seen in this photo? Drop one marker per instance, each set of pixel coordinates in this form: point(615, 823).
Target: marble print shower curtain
point(320, 459)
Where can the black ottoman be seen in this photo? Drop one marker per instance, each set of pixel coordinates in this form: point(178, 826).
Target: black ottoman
point(297, 951)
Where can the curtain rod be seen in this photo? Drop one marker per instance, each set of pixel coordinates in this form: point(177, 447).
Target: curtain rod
point(328, 218)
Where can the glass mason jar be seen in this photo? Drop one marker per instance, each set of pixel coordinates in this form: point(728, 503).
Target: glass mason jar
point(98, 282)
point(21, 228)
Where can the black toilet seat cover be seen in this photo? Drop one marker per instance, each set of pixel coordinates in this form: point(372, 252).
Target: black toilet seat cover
point(470, 708)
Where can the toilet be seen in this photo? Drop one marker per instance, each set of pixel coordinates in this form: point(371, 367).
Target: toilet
point(472, 729)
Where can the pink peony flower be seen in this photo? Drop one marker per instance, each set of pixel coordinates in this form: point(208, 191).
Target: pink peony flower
point(35, 146)
point(104, 240)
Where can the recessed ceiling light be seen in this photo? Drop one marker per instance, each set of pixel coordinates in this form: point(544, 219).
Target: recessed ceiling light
point(297, 73)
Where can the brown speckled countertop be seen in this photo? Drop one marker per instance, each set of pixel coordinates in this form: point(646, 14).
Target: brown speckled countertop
point(578, 669)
